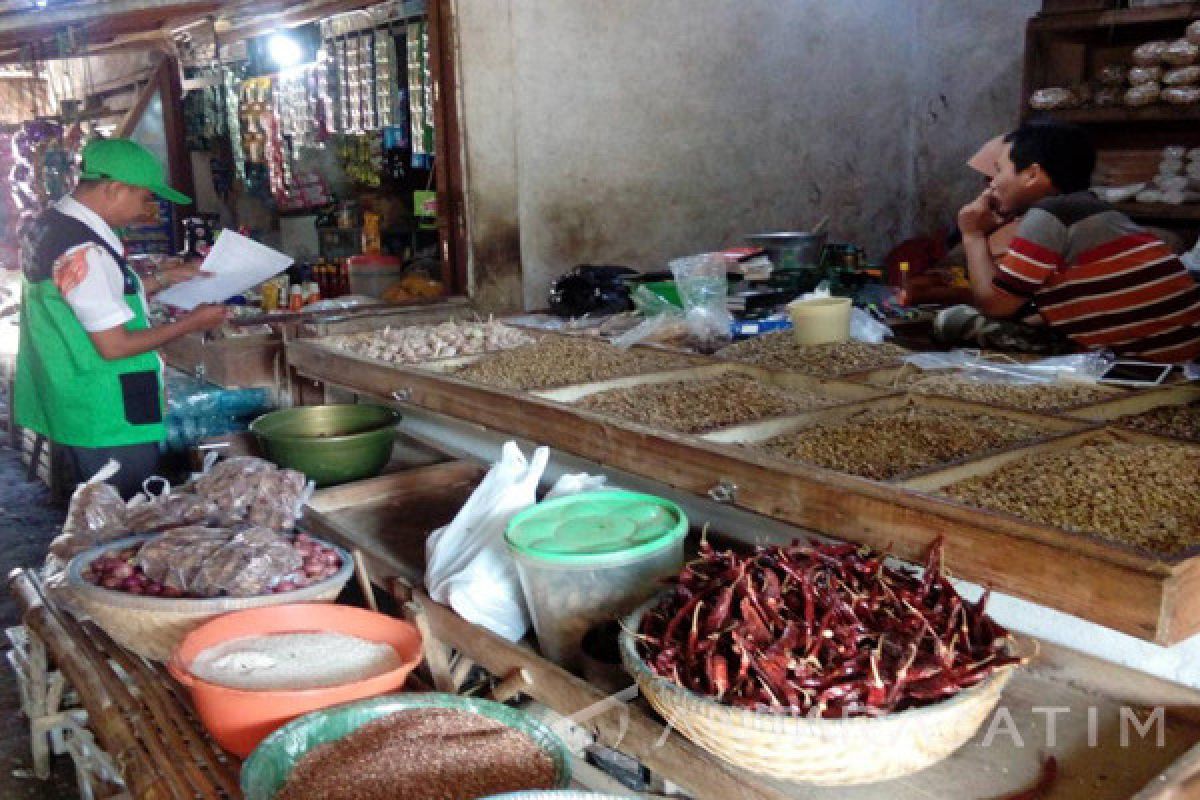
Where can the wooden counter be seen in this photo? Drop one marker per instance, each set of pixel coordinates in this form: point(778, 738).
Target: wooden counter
point(253, 360)
point(1146, 595)
point(377, 517)
point(143, 720)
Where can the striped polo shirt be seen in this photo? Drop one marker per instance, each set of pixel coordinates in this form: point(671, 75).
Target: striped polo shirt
point(1101, 280)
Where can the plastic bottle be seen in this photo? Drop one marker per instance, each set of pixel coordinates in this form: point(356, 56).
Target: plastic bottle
point(296, 299)
point(904, 296)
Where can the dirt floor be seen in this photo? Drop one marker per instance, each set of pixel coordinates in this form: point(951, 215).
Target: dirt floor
point(27, 524)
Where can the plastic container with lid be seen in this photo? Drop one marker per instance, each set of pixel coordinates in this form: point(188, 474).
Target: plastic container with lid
point(820, 320)
point(590, 557)
point(372, 274)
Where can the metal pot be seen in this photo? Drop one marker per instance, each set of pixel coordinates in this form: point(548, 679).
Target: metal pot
point(330, 444)
point(790, 249)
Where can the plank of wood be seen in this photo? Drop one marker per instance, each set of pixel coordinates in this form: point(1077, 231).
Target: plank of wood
point(397, 487)
point(1120, 589)
point(1089, 20)
point(1138, 403)
point(239, 361)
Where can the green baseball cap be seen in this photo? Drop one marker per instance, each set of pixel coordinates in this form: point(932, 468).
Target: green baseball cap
point(126, 161)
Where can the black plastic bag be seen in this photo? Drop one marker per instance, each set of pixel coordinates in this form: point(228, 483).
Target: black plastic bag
point(591, 289)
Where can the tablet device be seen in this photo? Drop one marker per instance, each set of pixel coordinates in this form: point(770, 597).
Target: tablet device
point(1136, 373)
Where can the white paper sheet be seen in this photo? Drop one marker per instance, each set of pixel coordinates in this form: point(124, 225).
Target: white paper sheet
point(236, 264)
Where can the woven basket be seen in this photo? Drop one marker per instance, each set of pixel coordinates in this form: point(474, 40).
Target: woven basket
point(825, 752)
point(153, 626)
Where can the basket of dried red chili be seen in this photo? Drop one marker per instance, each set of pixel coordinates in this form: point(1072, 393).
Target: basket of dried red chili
point(794, 661)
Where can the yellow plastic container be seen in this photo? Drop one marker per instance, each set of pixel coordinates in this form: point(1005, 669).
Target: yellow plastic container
point(820, 320)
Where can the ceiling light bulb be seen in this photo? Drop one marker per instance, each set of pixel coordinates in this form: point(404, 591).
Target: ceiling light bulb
point(284, 50)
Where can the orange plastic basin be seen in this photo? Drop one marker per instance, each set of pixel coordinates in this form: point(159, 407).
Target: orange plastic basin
point(239, 719)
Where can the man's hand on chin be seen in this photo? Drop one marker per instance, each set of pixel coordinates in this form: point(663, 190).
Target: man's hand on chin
point(978, 218)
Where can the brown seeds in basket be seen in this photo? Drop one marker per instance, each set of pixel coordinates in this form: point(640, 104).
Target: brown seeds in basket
point(882, 444)
point(1146, 495)
point(695, 406)
point(419, 754)
point(1182, 422)
point(1027, 397)
point(781, 351)
point(563, 361)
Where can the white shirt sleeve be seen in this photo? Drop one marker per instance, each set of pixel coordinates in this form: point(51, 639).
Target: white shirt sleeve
point(91, 282)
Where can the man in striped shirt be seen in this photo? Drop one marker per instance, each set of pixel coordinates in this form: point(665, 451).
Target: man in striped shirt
point(1076, 264)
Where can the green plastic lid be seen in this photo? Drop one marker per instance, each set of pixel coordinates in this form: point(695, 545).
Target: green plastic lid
point(594, 526)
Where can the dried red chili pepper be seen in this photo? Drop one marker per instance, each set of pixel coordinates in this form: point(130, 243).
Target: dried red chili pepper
point(820, 626)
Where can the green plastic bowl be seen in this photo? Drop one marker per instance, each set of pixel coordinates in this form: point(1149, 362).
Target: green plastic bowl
point(267, 768)
point(330, 444)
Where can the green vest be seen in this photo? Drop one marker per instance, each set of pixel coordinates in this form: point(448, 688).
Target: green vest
point(65, 390)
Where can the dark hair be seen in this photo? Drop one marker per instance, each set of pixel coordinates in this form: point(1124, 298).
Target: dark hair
point(1064, 151)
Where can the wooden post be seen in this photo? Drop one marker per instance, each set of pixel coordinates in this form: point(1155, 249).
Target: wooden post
point(513, 684)
point(435, 651)
point(364, 580)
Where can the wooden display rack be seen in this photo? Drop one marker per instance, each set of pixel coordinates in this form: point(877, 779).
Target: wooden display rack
point(376, 518)
point(143, 722)
point(1149, 596)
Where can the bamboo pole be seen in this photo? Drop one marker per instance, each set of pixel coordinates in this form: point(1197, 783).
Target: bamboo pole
point(105, 719)
point(159, 762)
point(180, 732)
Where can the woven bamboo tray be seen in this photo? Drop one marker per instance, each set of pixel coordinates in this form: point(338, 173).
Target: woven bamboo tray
point(826, 752)
point(153, 626)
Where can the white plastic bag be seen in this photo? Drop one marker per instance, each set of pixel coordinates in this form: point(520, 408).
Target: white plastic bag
point(865, 328)
point(1077, 368)
point(468, 564)
point(575, 483)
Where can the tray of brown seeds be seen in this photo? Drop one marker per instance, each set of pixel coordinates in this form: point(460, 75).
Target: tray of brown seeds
point(780, 351)
point(894, 437)
point(1047, 397)
point(407, 747)
point(1173, 411)
point(1121, 487)
point(562, 361)
point(709, 397)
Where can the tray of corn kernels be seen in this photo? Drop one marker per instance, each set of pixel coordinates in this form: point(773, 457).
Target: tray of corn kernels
point(556, 361)
point(780, 351)
point(891, 439)
point(1023, 396)
point(1139, 492)
point(695, 406)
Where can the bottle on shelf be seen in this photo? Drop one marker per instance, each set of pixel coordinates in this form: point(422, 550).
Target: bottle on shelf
point(904, 295)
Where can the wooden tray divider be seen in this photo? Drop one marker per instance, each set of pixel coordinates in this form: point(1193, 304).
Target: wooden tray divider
point(1131, 592)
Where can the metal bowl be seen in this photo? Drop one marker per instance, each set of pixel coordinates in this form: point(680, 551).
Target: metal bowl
point(790, 249)
point(330, 444)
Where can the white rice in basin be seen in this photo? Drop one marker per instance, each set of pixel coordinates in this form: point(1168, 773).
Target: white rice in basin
point(289, 661)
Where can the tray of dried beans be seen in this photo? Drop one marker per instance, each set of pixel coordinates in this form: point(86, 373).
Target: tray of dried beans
point(793, 661)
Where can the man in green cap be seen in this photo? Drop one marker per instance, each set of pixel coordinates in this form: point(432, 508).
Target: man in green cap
point(88, 374)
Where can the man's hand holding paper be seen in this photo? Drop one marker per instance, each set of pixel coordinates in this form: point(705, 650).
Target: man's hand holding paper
point(235, 264)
